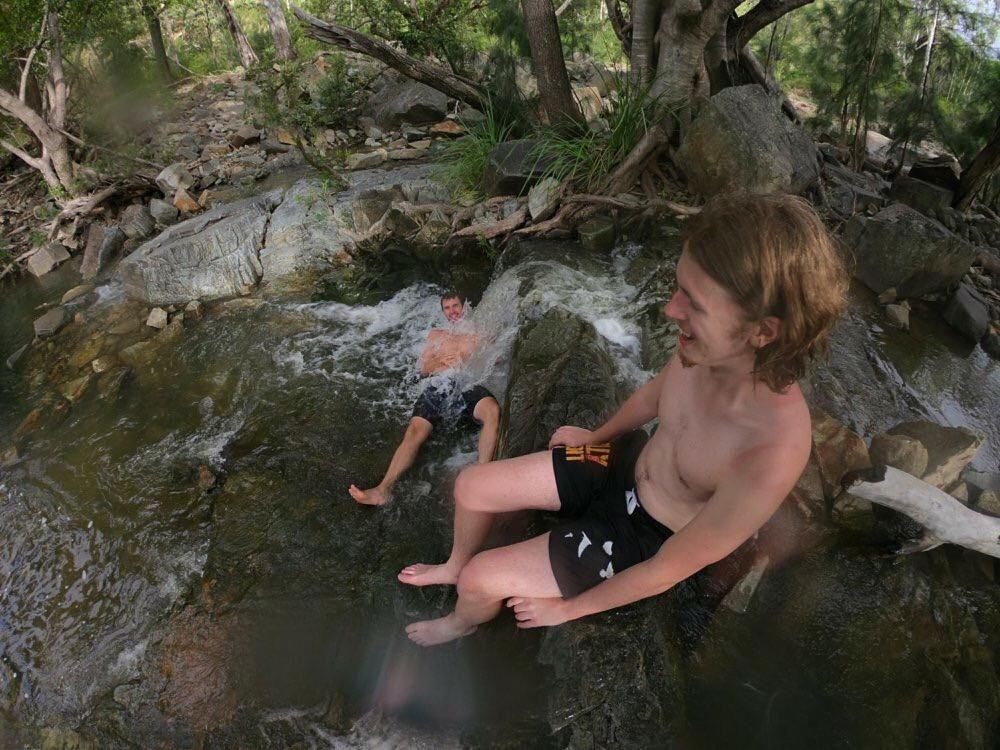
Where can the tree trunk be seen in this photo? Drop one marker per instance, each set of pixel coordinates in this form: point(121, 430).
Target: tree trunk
point(641, 60)
point(924, 80)
point(684, 31)
point(443, 80)
point(248, 58)
point(279, 30)
point(983, 166)
point(156, 39)
point(548, 63)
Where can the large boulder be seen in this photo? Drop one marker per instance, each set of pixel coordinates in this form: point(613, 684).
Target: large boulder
point(513, 166)
point(212, 255)
point(616, 678)
point(402, 100)
point(944, 171)
point(926, 197)
point(303, 230)
point(740, 140)
point(902, 248)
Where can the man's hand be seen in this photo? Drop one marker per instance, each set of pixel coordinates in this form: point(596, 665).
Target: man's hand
point(538, 613)
point(571, 436)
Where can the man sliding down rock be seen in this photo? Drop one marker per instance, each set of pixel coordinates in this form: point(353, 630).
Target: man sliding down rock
point(759, 285)
point(441, 400)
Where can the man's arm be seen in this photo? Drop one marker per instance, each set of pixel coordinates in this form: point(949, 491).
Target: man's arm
point(756, 484)
point(641, 407)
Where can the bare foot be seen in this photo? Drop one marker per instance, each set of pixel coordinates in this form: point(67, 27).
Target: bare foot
point(435, 632)
point(374, 496)
point(428, 575)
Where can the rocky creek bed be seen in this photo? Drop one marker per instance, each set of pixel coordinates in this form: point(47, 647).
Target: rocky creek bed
point(182, 567)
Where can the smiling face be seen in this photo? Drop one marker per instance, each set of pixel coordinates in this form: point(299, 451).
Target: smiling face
point(453, 308)
point(713, 329)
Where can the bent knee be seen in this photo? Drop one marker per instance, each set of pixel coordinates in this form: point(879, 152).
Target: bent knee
point(418, 431)
point(478, 577)
point(489, 410)
point(468, 488)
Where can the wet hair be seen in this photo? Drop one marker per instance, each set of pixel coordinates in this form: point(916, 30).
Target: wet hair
point(775, 257)
point(452, 294)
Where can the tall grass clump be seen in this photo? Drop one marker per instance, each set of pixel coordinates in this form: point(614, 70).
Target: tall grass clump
point(586, 156)
point(464, 160)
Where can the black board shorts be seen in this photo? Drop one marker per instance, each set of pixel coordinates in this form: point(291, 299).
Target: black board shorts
point(442, 403)
point(607, 528)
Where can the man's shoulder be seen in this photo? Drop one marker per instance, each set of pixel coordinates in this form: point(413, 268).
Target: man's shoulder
point(782, 434)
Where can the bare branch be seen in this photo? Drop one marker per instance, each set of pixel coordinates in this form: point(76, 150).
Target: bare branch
point(20, 154)
point(22, 90)
point(639, 204)
point(136, 159)
point(941, 514)
point(441, 79)
point(763, 13)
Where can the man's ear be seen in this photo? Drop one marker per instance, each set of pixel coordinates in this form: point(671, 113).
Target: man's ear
point(765, 331)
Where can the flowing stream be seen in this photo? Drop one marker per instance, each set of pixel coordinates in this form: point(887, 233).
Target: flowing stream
point(266, 608)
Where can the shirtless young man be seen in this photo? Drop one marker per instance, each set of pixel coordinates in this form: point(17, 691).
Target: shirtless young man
point(444, 350)
point(759, 285)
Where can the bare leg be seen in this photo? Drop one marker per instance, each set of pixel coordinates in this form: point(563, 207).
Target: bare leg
point(481, 491)
point(416, 434)
point(487, 411)
point(489, 578)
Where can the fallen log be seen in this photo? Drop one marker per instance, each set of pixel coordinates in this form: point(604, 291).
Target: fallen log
point(944, 517)
point(455, 86)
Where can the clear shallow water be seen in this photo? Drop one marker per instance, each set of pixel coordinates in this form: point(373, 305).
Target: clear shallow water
point(274, 589)
point(120, 579)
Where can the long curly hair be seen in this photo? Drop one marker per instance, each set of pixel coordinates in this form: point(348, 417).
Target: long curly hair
point(774, 255)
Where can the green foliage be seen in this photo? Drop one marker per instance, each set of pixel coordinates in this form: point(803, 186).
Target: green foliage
point(587, 157)
point(337, 94)
point(464, 160)
point(828, 51)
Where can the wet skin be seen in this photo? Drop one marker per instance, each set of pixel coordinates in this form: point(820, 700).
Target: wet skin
point(727, 452)
point(443, 350)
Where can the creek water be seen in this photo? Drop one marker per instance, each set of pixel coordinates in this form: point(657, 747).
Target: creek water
point(267, 609)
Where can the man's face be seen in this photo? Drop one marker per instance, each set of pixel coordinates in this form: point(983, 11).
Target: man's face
point(713, 328)
point(452, 308)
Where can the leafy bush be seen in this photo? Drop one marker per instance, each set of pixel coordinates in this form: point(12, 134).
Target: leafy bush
point(336, 97)
point(586, 156)
point(463, 161)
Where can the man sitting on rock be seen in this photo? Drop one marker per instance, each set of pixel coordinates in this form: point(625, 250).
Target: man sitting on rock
point(759, 285)
point(441, 401)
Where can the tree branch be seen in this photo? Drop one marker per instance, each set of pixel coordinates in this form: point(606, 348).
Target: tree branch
point(443, 80)
point(763, 13)
point(941, 514)
point(23, 88)
point(22, 155)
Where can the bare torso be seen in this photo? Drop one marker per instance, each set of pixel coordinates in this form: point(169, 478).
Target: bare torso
point(446, 348)
point(700, 434)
